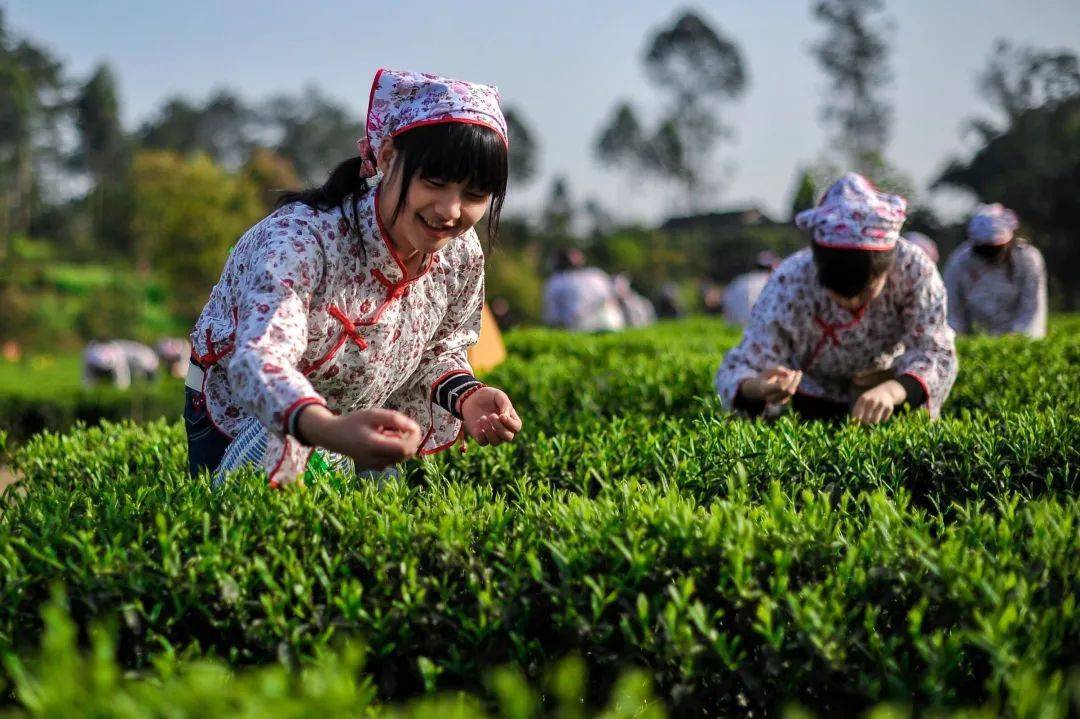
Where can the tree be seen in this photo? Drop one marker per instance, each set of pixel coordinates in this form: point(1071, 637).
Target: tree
point(558, 215)
point(225, 128)
point(1033, 167)
point(32, 107)
point(854, 55)
point(188, 213)
point(698, 69)
point(103, 144)
point(1021, 79)
point(523, 162)
point(270, 174)
point(805, 195)
point(313, 132)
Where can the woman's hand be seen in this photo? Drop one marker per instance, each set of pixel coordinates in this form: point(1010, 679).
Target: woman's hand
point(776, 385)
point(373, 438)
point(876, 405)
point(489, 416)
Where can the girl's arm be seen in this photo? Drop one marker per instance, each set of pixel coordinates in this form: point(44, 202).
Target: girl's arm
point(759, 364)
point(443, 390)
point(275, 284)
point(929, 357)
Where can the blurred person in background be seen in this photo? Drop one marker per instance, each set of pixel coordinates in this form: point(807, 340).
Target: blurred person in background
point(637, 310)
point(996, 281)
point(173, 352)
point(742, 293)
point(580, 298)
point(925, 244)
point(855, 325)
point(342, 320)
point(668, 303)
point(119, 363)
point(105, 362)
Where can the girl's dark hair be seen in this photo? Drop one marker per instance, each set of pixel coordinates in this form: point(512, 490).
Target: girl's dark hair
point(450, 151)
point(848, 272)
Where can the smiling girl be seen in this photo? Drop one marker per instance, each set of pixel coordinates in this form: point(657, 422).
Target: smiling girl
point(342, 320)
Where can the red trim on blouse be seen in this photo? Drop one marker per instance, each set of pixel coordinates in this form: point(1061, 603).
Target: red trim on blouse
point(468, 393)
point(302, 402)
point(924, 386)
point(828, 333)
point(431, 416)
point(405, 279)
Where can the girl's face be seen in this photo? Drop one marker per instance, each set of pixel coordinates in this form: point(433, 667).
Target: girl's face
point(434, 212)
point(868, 294)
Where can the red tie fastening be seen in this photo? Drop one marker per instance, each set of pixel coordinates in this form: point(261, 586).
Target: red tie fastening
point(349, 327)
point(393, 291)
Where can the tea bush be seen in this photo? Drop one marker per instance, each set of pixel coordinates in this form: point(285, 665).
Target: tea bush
point(746, 566)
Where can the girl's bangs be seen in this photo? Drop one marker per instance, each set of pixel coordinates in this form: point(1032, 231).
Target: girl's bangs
point(461, 152)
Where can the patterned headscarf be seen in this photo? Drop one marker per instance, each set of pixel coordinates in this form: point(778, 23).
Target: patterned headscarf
point(992, 225)
point(855, 215)
point(925, 244)
point(403, 100)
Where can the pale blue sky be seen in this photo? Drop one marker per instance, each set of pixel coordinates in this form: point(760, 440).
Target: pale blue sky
point(564, 64)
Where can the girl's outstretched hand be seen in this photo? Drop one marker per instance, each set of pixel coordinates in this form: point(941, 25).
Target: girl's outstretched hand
point(775, 385)
point(489, 416)
point(877, 404)
point(373, 438)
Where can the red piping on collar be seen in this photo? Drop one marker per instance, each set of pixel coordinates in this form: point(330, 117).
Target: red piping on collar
point(393, 252)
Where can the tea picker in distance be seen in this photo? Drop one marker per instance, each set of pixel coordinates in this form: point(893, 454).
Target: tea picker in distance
point(742, 293)
point(996, 281)
point(853, 325)
point(342, 320)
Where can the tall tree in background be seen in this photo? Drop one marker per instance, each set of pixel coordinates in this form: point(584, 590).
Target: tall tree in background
point(523, 147)
point(314, 132)
point(32, 108)
point(224, 127)
point(104, 153)
point(698, 69)
point(1020, 79)
point(805, 195)
point(103, 145)
point(558, 216)
point(854, 55)
point(1032, 164)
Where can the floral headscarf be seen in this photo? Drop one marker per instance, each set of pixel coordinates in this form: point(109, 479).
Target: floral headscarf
point(992, 225)
point(855, 215)
point(402, 100)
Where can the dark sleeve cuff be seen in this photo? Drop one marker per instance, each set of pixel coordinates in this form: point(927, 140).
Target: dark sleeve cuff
point(292, 425)
point(752, 407)
point(916, 394)
point(447, 392)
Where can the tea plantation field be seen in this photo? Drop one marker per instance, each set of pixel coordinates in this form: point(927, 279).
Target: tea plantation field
point(741, 568)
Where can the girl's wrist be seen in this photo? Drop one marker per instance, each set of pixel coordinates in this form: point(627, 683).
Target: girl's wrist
point(313, 424)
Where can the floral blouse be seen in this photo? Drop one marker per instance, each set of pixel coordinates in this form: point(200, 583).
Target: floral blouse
point(795, 324)
point(997, 298)
point(308, 312)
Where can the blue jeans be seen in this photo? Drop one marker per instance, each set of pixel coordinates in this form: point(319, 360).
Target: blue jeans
point(206, 445)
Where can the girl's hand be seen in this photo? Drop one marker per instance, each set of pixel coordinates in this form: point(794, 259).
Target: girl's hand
point(776, 385)
point(373, 438)
point(489, 416)
point(871, 378)
point(877, 404)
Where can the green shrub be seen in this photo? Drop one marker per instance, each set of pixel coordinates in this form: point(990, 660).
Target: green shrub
point(746, 565)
